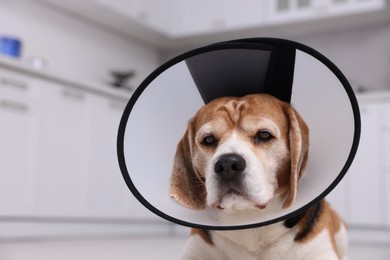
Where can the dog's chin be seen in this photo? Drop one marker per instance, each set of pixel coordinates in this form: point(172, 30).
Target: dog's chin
point(233, 203)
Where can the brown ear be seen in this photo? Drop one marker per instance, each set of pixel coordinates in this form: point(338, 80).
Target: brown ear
point(186, 186)
point(299, 149)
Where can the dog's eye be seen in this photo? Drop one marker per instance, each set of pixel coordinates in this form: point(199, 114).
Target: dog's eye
point(263, 136)
point(209, 140)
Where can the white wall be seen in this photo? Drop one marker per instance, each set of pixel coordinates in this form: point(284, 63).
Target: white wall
point(362, 54)
point(73, 48)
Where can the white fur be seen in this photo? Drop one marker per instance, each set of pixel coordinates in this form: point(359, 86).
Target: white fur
point(197, 248)
point(342, 242)
point(259, 178)
point(274, 242)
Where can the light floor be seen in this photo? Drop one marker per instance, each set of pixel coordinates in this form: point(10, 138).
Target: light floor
point(126, 249)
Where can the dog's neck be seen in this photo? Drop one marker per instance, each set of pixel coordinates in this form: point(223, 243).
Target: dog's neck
point(256, 239)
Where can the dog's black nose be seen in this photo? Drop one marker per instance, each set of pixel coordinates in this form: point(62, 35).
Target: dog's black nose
point(229, 166)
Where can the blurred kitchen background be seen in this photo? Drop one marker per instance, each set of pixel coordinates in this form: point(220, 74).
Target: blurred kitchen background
point(67, 70)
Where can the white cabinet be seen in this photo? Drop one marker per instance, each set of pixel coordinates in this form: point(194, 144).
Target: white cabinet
point(106, 192)
point(386, 131)
point(105, 186)
point(387, 198)
point(151, 13)
point(281, 11)
point(199, 17)
point(19, 122)
point(245, 13)
point(290, 10)
point(346, 7)
point(339, 198)
point(58, 152)
point(59, 167)
point(178, 24)
point(386, 158)
point(363, 196)
point(63, 151)
point(366, 194)
point(156, 14)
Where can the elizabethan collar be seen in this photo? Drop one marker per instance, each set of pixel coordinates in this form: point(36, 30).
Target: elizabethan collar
point(157, 114)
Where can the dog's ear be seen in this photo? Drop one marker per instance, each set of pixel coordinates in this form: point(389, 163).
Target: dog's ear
point(186, 186)
point(299, 149)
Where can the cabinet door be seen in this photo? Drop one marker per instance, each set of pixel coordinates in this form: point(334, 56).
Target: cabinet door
point(151, 13)
point(201, 16)
point(339, 198)
point(107, 193)
point(386, 157)
point(62, 162)
point(387, 198)
point(297, 10)
point(345, 7)
point(156, 14)
point(244, 13)
point(219, 15)
point(18, 138)
point(105, 186)
point(386, 131)
point(281, 11)
point(366, 185)
point(18, 85)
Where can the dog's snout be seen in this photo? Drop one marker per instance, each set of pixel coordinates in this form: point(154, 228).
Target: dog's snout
point(229, 166)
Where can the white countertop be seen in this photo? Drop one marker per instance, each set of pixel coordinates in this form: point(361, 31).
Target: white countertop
point(373, 96)
point(18, 65)
point(46, 74)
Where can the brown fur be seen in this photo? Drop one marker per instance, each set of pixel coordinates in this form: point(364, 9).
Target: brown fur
point(186, 183)
point(204, 235)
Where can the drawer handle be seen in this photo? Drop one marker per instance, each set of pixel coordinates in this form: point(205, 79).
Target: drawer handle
point(14, 83)
point(14, 105)
point(73, 94)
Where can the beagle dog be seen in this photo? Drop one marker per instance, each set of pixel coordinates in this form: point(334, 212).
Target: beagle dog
point(247, 154)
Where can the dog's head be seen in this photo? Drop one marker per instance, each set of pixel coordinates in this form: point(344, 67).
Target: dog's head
point(240, 153)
